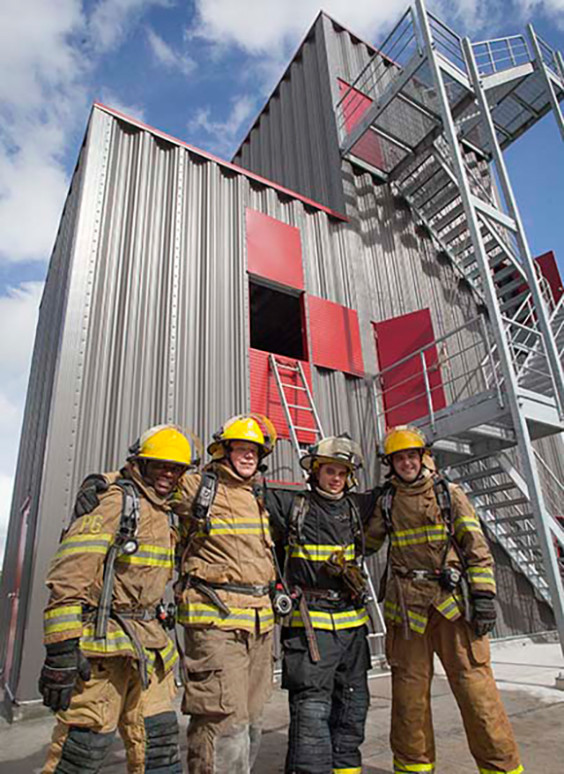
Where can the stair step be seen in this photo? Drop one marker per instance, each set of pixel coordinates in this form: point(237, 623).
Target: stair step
point(476, 475)
point(423, 178)
point(514, 302)
point(434, 204)
point(493, 489)
point(455, 232)
point(514, 518)
point(507, 503)
point(446, 219)
point(504, 290)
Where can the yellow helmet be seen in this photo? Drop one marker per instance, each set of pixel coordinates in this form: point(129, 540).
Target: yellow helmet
point(244, 427)
point(401, 438)
point(163, 442)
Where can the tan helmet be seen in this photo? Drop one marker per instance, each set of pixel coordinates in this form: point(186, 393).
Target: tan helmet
point(402, 438)
point(335, 448)
point(244, 427)
point(167, 443)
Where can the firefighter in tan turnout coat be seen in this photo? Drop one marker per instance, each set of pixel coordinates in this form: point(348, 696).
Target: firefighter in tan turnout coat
point(438, 589)
point(223, 599)
point(109, 661)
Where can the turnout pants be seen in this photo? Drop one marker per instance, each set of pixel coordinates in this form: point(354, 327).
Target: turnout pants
point(113, 699)
point(466, 660)
point(229, 682)
point(328, 700)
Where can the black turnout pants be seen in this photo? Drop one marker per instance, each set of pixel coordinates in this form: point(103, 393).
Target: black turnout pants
point(328, 700)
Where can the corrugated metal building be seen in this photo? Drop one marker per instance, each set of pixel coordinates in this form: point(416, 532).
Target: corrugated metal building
point(174, 274)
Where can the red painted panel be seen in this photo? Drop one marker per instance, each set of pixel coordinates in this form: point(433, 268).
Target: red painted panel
point(274, 250)
point(355, 105)
point(265, 398)
point(549, 267)
point(335, 336)
point(404, 386)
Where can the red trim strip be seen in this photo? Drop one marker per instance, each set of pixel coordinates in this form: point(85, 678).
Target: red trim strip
point(227, 164)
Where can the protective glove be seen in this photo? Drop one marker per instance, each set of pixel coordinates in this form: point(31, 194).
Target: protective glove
point(483, 614)
point(87, 498)
point(64, 664)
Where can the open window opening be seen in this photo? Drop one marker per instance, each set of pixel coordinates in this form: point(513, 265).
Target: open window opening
point(277, 321)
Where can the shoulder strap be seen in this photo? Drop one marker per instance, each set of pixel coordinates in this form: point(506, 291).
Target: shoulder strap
point(357, 529)
point(387, 503)
point(204, 499)
point(442, 493)
point(124, 541)
point(300, 509)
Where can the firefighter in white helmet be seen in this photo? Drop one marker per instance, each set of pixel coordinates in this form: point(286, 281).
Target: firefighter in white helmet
point(325, 649)
point(438, 592)
point(109, 660)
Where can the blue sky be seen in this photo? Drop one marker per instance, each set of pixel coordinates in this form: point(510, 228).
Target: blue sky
point(200, 71)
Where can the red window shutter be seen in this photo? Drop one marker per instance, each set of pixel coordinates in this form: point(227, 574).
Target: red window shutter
point(274, 250)
point(549, 268)
point(265, 398)
point(404, 386)
point(335, 336)
point(354, 106)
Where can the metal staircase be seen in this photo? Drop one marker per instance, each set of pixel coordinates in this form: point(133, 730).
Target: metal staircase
point(442, 110)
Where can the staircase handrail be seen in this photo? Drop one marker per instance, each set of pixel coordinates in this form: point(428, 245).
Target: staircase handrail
point(513, 52)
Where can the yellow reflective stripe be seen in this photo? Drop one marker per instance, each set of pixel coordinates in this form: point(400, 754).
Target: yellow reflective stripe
point(449, 607)
point(84, 544)
point(417, 622)
point(428, 534)
point(67, 610)
point(169, 655)
point(402, 768)
point(356, 770)
point(266, 619)
point(63, 619)
point(197, 613)
point(113, 642)
point(466, 524)
point(319, 553)
point(349, 619)
point(482, 572)
point(518, 770)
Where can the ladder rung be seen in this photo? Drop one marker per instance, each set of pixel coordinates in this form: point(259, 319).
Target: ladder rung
point(286, 367)
point(292, 386)
point(307, 429)
point(301, 408)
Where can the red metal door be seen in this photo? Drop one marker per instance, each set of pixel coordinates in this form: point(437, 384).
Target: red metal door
point(399, 343)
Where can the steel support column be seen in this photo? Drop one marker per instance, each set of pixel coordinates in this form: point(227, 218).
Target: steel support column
point(540, 65)
point(521, 429)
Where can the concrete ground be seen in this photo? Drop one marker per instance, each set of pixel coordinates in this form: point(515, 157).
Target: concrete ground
point(525, 671)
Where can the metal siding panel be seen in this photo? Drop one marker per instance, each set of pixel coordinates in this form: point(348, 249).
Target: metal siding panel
point(274, 250)
point(335, 337)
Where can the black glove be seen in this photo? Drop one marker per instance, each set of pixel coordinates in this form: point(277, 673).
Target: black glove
point(483, 614)
point(87, 498)
point(65, 662)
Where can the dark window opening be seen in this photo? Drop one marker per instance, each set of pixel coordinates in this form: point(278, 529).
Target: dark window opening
point(277, 321)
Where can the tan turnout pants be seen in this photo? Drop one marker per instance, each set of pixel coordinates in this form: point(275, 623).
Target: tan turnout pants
point(229, 682)
point(466, 660)
point(113, 699)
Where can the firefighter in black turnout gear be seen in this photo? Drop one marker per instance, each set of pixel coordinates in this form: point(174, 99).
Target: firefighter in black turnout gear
point(325, 649)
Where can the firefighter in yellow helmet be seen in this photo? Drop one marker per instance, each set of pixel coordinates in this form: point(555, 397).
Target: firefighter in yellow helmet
point(109, 660)
point(438, 592)
point(223, 598)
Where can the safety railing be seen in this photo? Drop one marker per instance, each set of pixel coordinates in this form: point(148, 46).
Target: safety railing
point(551, 58)
point(392, 56)
point(442, 373)
point(447, 42)
point(493, 56)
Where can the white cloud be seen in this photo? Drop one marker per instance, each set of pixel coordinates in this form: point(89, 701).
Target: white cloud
point(167, 56)
point(111, 20)
point(112, 100)
point(222, 137)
